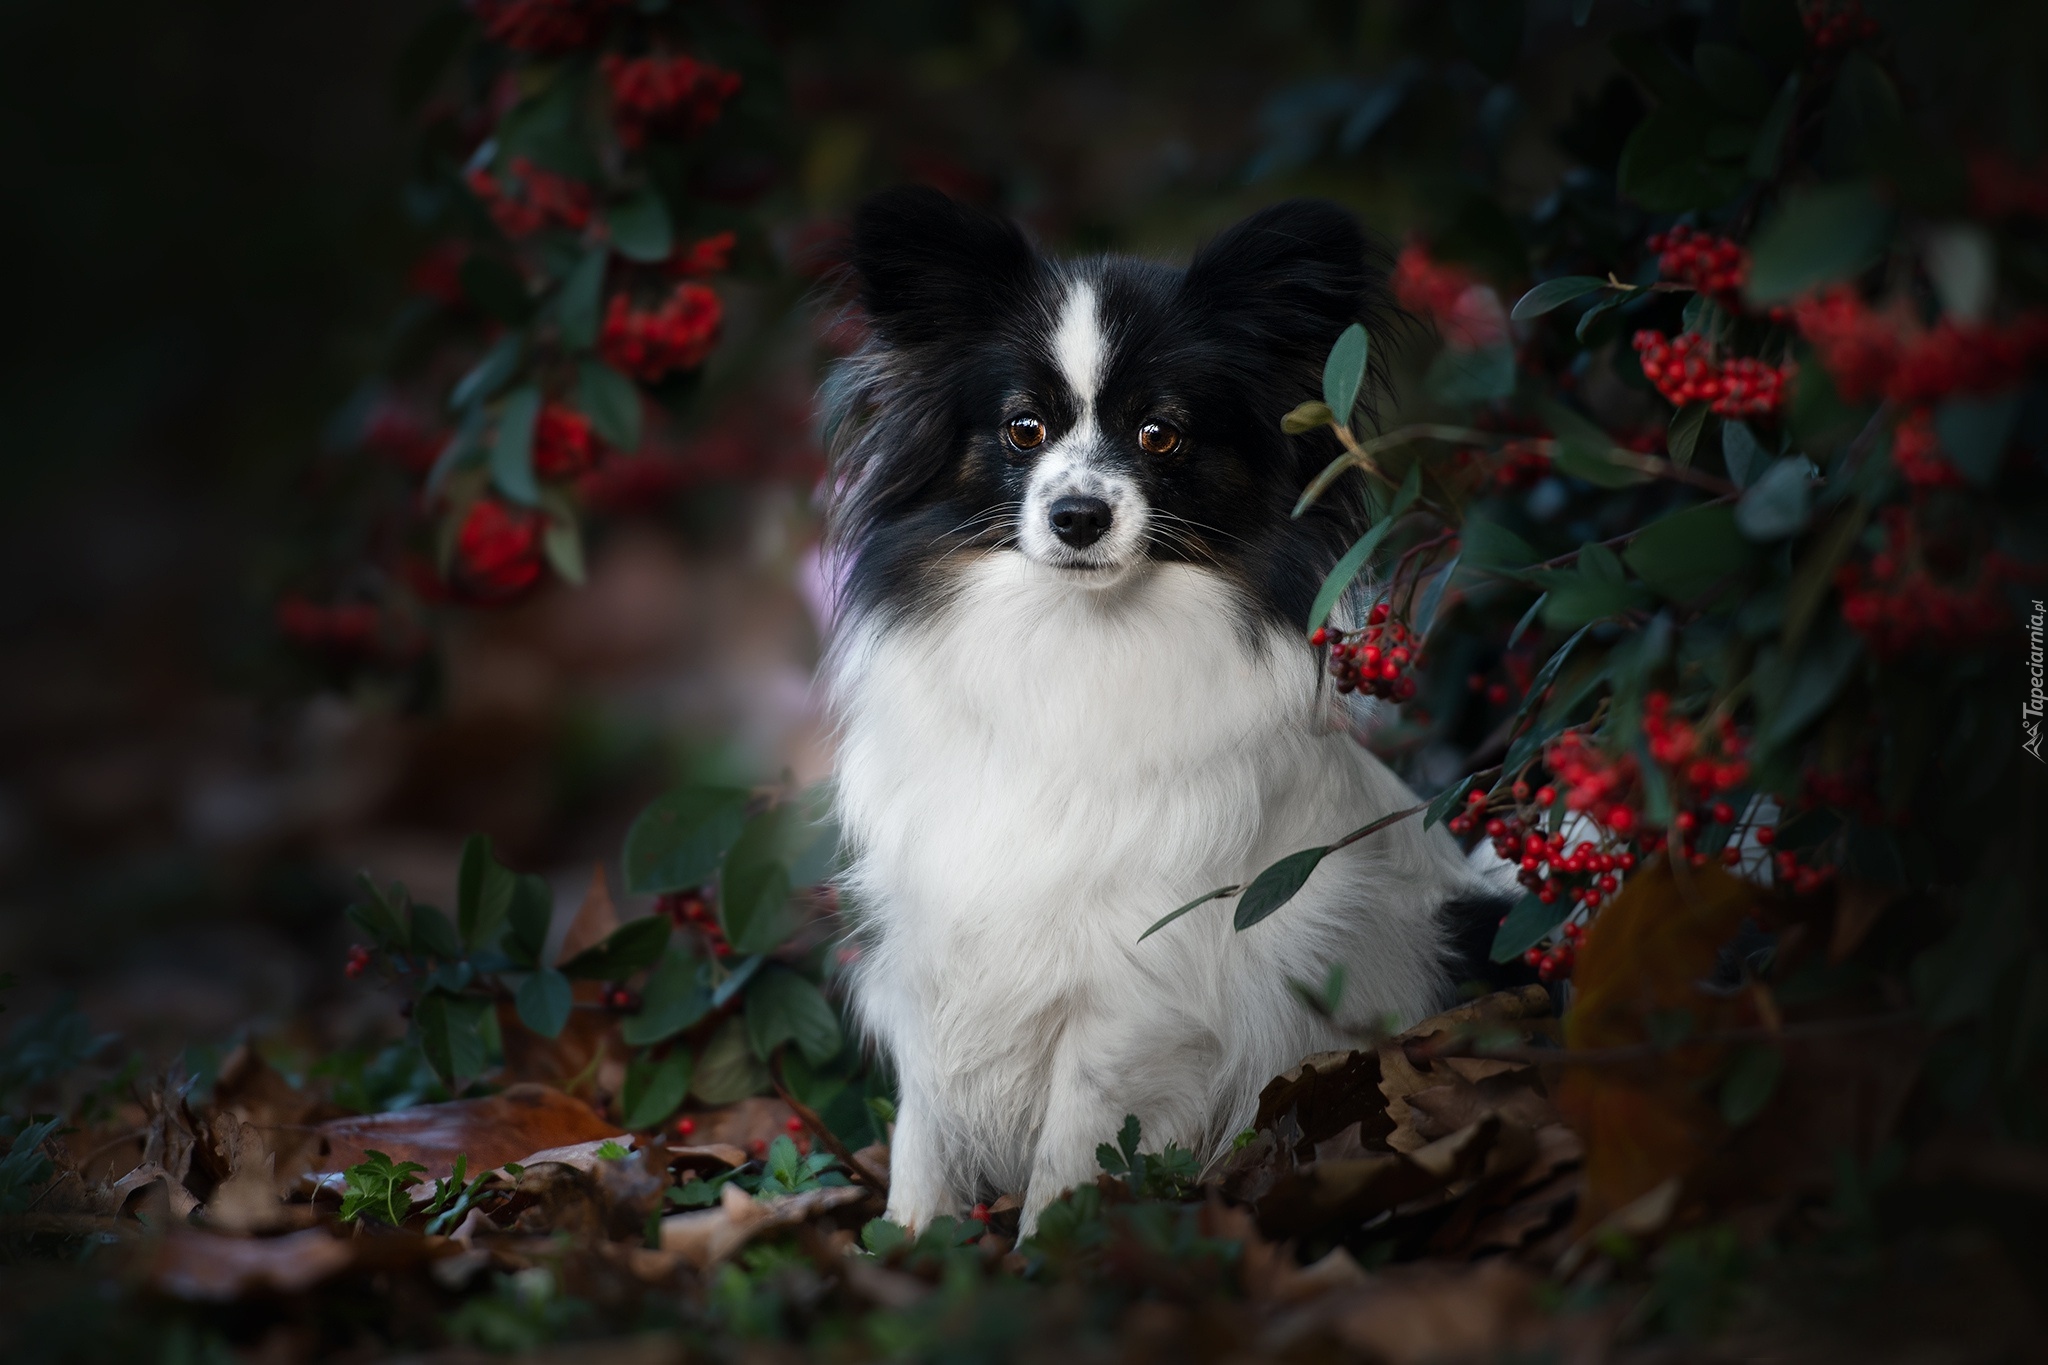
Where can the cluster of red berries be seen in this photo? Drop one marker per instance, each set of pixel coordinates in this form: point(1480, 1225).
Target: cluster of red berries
point(358, 962)
point(1795, 876)
point(531, 198)
point(706, 256)
point(1685, 371)
point(1868, 353)
point(1597, 784)
point(1561, 956)
point(544, 27)
point(1522, 465)
point(498, 551)
point(650, 343)
point(1713, 265)
point(1917, 453)
point(1376, 660)
point(343, 628)
point(398, 431)
point(1999, 189)
point(1466, 314)
point(1837, 23)
point(678, 93)
point(1496, 693)
point(1898, 607)
point(1679, 745)
point(563, 445)
point(693, 910)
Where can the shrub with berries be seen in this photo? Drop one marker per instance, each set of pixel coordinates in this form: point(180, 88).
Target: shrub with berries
point(563, 301)
point(1713, 555)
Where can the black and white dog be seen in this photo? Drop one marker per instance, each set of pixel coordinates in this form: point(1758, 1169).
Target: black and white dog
point(1073, 693)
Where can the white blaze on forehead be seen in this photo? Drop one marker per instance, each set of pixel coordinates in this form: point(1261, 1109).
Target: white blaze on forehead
point(1077, 344)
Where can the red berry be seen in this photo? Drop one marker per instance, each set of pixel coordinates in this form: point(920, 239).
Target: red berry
point(1724, 814)
point(1320, 638)
point(1766, 836)
point(1731, 855)
point(980, 1214)
point(1546, 796)
point(794, 1124)
point(685, 1126)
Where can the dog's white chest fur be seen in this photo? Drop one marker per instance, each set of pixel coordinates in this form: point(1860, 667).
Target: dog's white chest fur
point(1030, 779)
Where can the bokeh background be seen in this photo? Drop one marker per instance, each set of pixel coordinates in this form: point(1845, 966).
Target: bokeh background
point(209, 238)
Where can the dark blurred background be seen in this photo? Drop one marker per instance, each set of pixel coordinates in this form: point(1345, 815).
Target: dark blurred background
point(208, 241)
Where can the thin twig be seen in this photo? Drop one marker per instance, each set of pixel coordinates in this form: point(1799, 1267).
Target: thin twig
point(824, 1134)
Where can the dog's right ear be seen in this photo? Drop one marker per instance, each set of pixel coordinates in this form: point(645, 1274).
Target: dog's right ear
point(931, 267)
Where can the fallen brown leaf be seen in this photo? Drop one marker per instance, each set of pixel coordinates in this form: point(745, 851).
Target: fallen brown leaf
point(508, 1126)
point(595, 918)
point(705, 1237)
point(209, 1267)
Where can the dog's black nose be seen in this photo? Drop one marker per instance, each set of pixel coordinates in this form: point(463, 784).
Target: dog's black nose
point(1079, 521)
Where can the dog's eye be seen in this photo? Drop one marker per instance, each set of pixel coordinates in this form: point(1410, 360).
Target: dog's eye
point(1026, 432)
point(1157, 438)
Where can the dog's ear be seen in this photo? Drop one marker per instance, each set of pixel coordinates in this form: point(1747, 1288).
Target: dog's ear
point(1290, 277)
point(930, 267)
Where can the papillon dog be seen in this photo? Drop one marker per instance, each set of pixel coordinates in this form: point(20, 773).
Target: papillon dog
point(1074, 691)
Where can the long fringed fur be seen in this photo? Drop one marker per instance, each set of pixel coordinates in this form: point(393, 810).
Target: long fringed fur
point(1042, 752)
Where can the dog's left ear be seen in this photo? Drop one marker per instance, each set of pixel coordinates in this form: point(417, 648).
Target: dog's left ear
point(1290, 277)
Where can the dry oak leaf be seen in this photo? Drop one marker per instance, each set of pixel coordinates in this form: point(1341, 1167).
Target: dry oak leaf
point(209, 1267)
point(1645, 1121)
point(509, 1126)
point(707, 1236)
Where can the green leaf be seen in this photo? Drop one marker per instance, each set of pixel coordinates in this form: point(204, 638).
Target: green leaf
point(1817, 237)
point(562, 543)
point(1732, 77)
point(1344, 371)
point(532, 909)
point(1751, 1081)
point(1744, 455)
point(451, 1035)
point(1448, 802)
point(544, 1000)
point(581, 305)
point(489, 374)
point(1464, 378)
point(1683, 436)
point(483, 896)
point(635, 944)
point(754, 891)
point(640, 227)
point(654, 1089)
point(1822, 668)
point(379, 1188)
point(1650, 62)
point(1585, 600)
point(1687, 553)
point(678, 995)
point(1555, 293)
point(727, 1069)
point(1218, 894)
point(382, 916)
point(1974, 433)
point(433, 934)
point(1307, 417)
point(1355, 559)
point(1595, 465)
point(612, 402)
point(1525, 926)
point(1488, 544)
point(1777, 504)
point(1528, 619)
point(1770, 139)
point(512, 452)
point(782, 1007)
point(1596, 312)
point(679, 840)
point(880, 1236)
point(1664, 164)
point(1276, 886)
